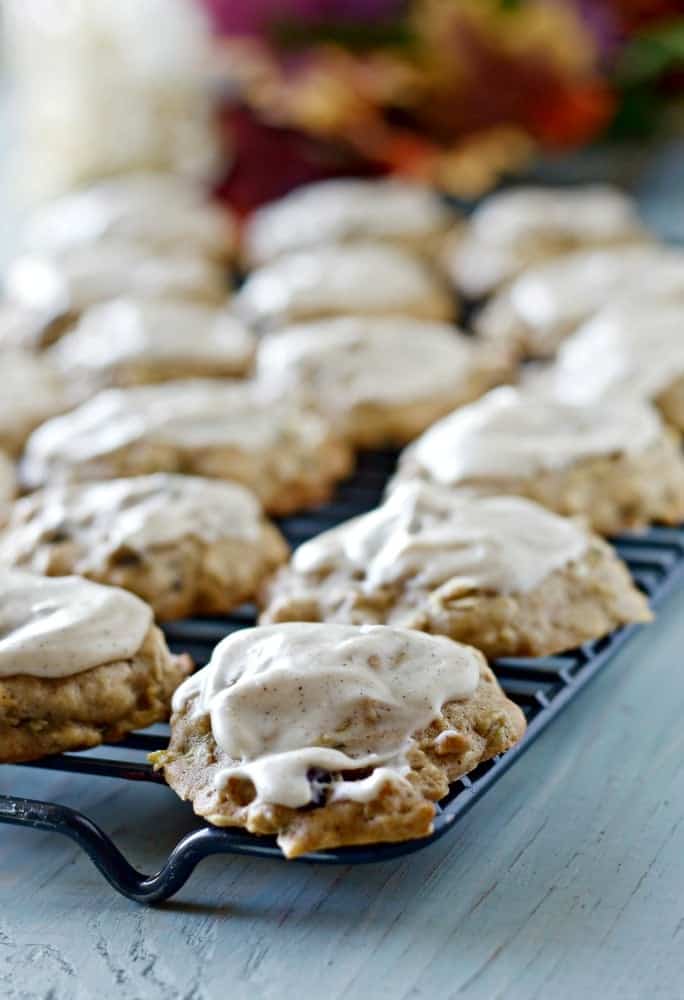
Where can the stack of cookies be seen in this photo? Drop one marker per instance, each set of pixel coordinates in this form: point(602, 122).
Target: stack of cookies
point(155, 421)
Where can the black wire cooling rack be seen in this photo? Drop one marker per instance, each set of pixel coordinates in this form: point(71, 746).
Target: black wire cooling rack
point(542, 687)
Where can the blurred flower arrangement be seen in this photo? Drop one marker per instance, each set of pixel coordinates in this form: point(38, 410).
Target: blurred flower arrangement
point(455, 92)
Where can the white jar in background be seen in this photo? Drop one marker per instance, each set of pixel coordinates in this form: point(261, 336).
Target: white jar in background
point(104, 86)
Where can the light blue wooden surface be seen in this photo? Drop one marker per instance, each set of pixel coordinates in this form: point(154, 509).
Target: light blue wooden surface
point(565, 881)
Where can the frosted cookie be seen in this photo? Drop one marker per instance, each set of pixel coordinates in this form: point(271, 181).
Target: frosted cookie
point(80, 664)
point(330, 735)
point(220, 429)
point(635, 348)
point(339, 211)
point(614, 462)
point(380, 380)
point(32, 391)
point(546, 303)
point(512, 230)
point(65, 284)
point(159, 211)
point(185, 545)
point(500, 573)
point(130, 341)
point(359, 278)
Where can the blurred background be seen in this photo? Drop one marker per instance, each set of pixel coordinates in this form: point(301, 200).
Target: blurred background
point(458, 92)
point(261, 95)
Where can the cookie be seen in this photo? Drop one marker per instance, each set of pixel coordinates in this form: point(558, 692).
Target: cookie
point(79, 664)
point(614, 463)
point(380, 380)
point(330, 735)
point(32, 391)
point(187, 546)
point(633, 348)
point(346, 279)
point(344, 210)
point(130, 341)
point(499, 573)
point(216, 428)
point(517, 228)
point(540, 308)
point(158, 211)
point(65, 284)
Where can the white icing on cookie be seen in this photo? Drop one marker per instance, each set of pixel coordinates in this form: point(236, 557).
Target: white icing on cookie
point(514, 229)
point(564, 292)
point(286, 699)
point(347, 361)
point(349, 278)
point(60, 626)
point(594, 213)
point(338, 210)
point(510, 433)
point(136, 514)
point(634, 348)
point(70, 281)
point(131, 331)
point(425, 535)
point(477, 268)
point(187, 415)
point(159, 211)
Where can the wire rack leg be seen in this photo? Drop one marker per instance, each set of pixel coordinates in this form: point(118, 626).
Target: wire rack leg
point(108, 859)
